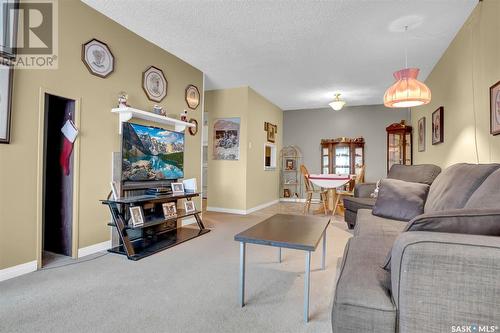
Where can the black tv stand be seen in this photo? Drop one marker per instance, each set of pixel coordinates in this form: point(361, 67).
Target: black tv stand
point(157, 233)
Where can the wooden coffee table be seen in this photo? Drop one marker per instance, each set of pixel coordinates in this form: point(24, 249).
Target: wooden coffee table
point(297, 232)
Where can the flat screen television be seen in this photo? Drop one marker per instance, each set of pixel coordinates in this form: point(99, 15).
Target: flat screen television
point(151, 153)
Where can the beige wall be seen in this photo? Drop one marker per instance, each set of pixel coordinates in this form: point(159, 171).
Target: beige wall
point(262, 185)
point(242, 185)
point(460, 82)
point(79, 23)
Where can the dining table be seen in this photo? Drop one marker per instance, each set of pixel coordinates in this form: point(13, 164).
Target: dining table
point(330, 182)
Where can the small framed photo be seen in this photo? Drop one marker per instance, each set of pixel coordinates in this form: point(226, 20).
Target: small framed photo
point(421, 134)
point(438, 126)
point(169, 209)
point(286, 193)
point(495, 109)
point(290, 165)
point(177, 188)
point(189, 207)
point(136, 215)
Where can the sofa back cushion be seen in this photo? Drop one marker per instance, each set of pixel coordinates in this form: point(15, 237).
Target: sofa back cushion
point(421, 173)
point(400, 200)
point(487, 194)
point(455, 185)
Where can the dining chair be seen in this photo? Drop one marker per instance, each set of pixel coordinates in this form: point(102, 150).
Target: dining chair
point(359, 179)
point(311, 189)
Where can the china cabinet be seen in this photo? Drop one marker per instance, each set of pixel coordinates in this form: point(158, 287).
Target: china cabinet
point(399, 144)
point(342, 156)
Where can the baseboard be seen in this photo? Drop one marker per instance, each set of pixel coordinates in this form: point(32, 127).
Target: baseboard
point(18, 270)
point(241, 211)
point(85, 251)
point(292, 200)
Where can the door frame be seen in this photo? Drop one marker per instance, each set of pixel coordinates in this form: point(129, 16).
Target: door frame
point(40, 174)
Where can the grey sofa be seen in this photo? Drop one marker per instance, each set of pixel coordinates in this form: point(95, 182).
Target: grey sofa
point(423, 173)
point(437, 280)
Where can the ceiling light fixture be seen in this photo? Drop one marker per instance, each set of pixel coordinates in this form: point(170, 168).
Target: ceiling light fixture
point(407, 91)
point(337, 103)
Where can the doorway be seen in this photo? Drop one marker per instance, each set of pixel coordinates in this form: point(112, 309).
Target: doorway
point(58, 187)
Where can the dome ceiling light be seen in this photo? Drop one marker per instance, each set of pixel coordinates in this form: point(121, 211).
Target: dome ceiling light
point(337, 103)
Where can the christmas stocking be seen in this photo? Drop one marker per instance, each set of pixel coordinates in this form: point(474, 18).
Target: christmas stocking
point(70, 133)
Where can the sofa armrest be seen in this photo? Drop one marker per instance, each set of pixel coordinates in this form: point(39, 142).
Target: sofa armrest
point(440, 280)
point(364, 190)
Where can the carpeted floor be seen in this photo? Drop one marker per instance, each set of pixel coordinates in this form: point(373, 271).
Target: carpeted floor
point(189, 288)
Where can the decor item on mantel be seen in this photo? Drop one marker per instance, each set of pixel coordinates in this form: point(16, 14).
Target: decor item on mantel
point(192, 96)
point(226, 139)
point(337, 103)
point(438, 126)
point(421, 134)
point(399, 144)
point(155, 84)
point(98, 58)
point(184, 115)
point(122, 99)
point(6, 74)
point(407, 91)
point(495, 109)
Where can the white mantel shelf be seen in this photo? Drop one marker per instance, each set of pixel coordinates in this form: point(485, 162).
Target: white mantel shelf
point(128, 113)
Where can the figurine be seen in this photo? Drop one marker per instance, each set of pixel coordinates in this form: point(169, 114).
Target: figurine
point(122, 99)
point(157, 109)
point(184, 115)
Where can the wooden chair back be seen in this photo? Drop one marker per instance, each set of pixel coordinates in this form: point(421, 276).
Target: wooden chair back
point(360, 176)
point(305, 174)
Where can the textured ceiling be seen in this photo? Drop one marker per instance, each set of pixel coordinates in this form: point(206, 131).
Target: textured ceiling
point(297, 53)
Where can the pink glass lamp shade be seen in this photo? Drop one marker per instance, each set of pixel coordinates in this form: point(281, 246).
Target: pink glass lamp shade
point(407, 91)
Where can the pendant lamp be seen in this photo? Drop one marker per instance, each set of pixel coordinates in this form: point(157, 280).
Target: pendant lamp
point(407, 91)
point(337, 103)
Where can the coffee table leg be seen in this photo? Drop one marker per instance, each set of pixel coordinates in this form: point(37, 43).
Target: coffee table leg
point(323, 258)
point(306, 286)
point(242, 273)
point(279, 254)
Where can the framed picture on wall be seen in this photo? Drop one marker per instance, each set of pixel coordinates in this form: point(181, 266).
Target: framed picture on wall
point(421, 134)
point(495, 109)
point(6, 74)
point(226, 139)
point(98, 58)
point(154, 84)
point(438, 126)
point(8, 28)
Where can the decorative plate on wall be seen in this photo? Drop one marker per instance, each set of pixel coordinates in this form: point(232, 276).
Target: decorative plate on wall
point(192, 97)
point(98, 58)
point(193, 130)
point(154, 84)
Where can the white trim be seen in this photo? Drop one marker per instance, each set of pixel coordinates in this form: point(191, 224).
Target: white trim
point(18, 270)
point(292, 200)
point(85, 251)
point(241, 211)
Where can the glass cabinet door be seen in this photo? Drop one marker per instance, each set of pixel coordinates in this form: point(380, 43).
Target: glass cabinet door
point(395, 149)
point(342, 160)
point(325, 161)
point(358, 159)
point(408, 149)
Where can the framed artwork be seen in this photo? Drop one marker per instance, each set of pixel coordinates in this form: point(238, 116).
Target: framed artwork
point(271, 131)
point(8, 28)
point(6, 74)
point(98, 58)
point(177, 188)
point(226, 139)
point(154, 84)
point(189, 207)
point(438, 126)
point(421, 134)
point(290, 164)
point(193, 130)
point(136, 215)
point(192, 97)
point(286, 193)
point(495, 109)
point(169, 209)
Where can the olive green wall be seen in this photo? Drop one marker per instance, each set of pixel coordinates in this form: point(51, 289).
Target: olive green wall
point(239, 186)
point(99, 137)
point(460, 82)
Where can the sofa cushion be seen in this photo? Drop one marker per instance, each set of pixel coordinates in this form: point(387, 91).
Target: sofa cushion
point(455, 185)
point(420, 173)
point(362, 300)
point(487, 194)
point(400, 200)
point(383, 230)
point(353, 204)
